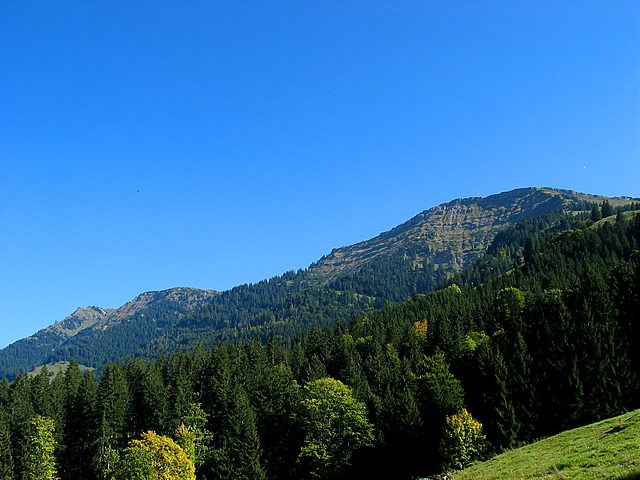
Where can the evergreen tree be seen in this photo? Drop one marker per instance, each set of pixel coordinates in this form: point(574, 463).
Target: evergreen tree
point(607, 209)
point(440, 392)
point(42, 394)
point(21, 412)
point(195, 420)
point(113, 404)
point(6, 455)
point(148, 397)
point(491, 397)
point(243, 440)
point(80, 431)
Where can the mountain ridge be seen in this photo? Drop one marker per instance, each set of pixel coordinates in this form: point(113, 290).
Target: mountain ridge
point(450, 219)
point(429, 247)
point(96, 327)
point(98, 318)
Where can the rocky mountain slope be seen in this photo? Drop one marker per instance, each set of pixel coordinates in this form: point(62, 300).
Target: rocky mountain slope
point(454, 233)
point(412, 257)
point(97, 330)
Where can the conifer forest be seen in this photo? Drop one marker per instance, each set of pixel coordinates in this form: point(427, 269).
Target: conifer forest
point(538, 335)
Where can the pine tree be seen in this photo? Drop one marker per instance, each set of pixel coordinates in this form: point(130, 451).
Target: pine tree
point(21, 412)
point(113, 401)
point(6, 455)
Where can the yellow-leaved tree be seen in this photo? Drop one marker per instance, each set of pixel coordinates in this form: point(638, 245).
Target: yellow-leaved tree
point(462, 440)
point(41, 463)
point(154, 457)
point(420, 331)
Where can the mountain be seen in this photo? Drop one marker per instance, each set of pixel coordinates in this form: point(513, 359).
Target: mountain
point(452, 234)
point(413, 257)
point(96, 335)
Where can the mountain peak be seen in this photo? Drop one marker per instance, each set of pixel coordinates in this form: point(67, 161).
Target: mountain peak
point(450, 234)
point(418, 253)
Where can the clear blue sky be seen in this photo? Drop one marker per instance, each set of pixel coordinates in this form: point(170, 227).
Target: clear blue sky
point(152, 144)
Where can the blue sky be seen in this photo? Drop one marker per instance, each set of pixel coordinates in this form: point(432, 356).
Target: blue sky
point(146, 145)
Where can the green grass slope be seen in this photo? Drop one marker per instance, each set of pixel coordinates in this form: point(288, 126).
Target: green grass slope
point(609, 449)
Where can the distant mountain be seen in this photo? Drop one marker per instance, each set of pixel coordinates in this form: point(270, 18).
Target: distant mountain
point(411, 258)
point(96, 335)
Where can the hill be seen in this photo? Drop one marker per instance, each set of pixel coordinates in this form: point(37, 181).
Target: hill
point(411, 258)
point(544, 343)
point(604, 450)
point(95, 335)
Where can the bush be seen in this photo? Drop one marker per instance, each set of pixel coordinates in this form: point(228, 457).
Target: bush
point(462, 441)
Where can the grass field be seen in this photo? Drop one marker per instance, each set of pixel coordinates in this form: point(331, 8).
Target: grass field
point(55, 368)
point(609, 449)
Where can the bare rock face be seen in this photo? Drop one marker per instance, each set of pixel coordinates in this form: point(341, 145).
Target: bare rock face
point(449, 235)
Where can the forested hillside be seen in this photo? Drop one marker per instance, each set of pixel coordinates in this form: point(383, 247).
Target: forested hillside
point(411, 258)
point(94, 336)
point(536, 336)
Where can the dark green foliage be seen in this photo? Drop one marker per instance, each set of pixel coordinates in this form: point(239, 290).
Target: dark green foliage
point(6, 455)
point(148, 397)
point(607, 209)
point(20, 411)
point(80, 425)
point(547, 345)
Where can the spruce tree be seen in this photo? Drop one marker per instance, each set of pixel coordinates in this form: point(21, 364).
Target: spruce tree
point(6, 455)
point(80, 431)
point(113, 404)
point(21, 412)
point(607, 209)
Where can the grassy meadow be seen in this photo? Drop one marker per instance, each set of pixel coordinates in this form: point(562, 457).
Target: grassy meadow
point(609, 449)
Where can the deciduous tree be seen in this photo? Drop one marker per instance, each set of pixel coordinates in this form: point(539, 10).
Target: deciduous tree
point(154, 457)
point(336, 426)
point(41, 463)
point(462, 440)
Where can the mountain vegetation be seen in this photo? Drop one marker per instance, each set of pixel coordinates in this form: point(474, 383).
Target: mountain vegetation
point(412, 258)
point(93, 335)
point(298, 378)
